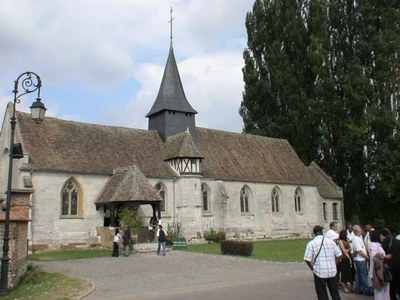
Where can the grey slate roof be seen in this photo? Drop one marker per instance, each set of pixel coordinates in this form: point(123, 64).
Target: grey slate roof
point(181, 145)
point(171, 95)
point(245, 157)
point(128, 185)
point(327, 188)
point(67, 146)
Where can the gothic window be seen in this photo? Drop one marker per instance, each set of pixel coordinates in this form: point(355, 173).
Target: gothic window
point(335, 211)
point(205, 192)
point(324, 211)
point(245, 199)
point(70, 199)
point(162, 191)
point(276, 199)
point(298, 200)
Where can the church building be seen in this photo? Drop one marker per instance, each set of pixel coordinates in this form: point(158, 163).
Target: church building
point(81, 175)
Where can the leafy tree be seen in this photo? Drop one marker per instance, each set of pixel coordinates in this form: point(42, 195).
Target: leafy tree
point(325, 75)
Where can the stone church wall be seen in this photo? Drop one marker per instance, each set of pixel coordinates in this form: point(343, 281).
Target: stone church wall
point(48, 228)
point(225, 214)
point(183, 205)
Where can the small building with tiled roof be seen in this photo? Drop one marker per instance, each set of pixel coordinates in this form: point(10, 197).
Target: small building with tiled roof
point(199, 179)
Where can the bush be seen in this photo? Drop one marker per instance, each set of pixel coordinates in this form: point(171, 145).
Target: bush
point(31, 275)
point(173, 232)
point(243, 248)
point(215, 236)
point(130, 217)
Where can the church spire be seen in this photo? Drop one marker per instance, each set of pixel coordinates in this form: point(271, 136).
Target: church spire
point(171, 112)
point(171, 95)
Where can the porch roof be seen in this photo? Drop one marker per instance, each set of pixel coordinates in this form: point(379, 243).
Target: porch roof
point(128, 185)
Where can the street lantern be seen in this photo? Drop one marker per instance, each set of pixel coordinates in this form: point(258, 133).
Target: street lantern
point(38, 110)
point(30, 82)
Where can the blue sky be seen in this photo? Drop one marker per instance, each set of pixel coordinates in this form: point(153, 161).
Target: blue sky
point(102, 61)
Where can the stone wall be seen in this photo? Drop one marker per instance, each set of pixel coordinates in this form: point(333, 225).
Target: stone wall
point(51, 230)
point(224, 213)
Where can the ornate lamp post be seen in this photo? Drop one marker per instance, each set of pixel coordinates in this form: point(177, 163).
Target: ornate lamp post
point(30, 82)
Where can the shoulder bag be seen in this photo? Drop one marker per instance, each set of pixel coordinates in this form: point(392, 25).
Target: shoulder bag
point(315, 259)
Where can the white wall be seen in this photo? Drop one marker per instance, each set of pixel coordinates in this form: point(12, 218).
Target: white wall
point(48, 226)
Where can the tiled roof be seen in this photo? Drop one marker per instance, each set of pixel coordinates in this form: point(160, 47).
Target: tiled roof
point(181, 145)
point(327, 188)
point(128, 185)
point(245, 157)
point(67, 146)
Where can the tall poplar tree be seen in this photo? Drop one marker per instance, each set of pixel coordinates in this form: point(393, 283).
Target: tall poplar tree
point(325, 75)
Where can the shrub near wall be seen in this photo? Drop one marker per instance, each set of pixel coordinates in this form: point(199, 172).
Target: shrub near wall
point(243, 248)
point(215, 236)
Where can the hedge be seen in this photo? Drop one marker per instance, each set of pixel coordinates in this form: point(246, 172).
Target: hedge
point(233, 247)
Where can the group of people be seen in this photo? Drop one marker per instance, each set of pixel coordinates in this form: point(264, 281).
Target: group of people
point(126, 238)
point(355, 259)
point(126, 241)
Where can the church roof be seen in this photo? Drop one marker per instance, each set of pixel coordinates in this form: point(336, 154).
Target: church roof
point(171, 95)
point(128, 185)
point(68, 146)
point(181, 145)
point(327, 188)
point(245, 157)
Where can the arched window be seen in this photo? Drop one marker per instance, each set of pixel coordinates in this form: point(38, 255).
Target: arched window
point(276, 199)
point(71, 199)
point(162, 191)
point(205, 192)
point(245, 199)
point(298, 200)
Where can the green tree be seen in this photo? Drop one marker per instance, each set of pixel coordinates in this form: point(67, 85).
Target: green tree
point(130, 217)
point(325, 75)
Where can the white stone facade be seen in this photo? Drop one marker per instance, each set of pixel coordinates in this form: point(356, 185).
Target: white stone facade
point(183, 204)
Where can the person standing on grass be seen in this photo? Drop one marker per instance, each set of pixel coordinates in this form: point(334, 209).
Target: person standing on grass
point(162, 239)
point(322, 255)
point(117, 239)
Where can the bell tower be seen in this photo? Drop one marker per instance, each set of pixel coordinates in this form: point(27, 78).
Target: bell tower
point(171, 112)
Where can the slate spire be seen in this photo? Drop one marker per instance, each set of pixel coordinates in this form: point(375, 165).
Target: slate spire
point(172, 113)
point(171, 95)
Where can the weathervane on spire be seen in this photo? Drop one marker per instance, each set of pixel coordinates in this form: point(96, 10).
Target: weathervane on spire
point(170, 21)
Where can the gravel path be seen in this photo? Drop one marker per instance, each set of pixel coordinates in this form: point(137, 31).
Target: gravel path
point(182, 275)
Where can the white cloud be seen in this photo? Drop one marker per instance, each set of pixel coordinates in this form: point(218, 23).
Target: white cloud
point(102, 45)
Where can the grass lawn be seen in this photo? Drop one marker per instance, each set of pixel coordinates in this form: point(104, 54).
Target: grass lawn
point(70, 254)
point(277, 250)
point(37, 284)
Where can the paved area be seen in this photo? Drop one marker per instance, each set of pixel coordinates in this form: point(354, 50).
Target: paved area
point(186, 275)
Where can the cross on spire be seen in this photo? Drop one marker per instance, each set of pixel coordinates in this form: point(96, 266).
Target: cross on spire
point(170, 20)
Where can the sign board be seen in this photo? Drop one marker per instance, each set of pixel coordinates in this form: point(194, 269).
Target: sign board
point(179, 243)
